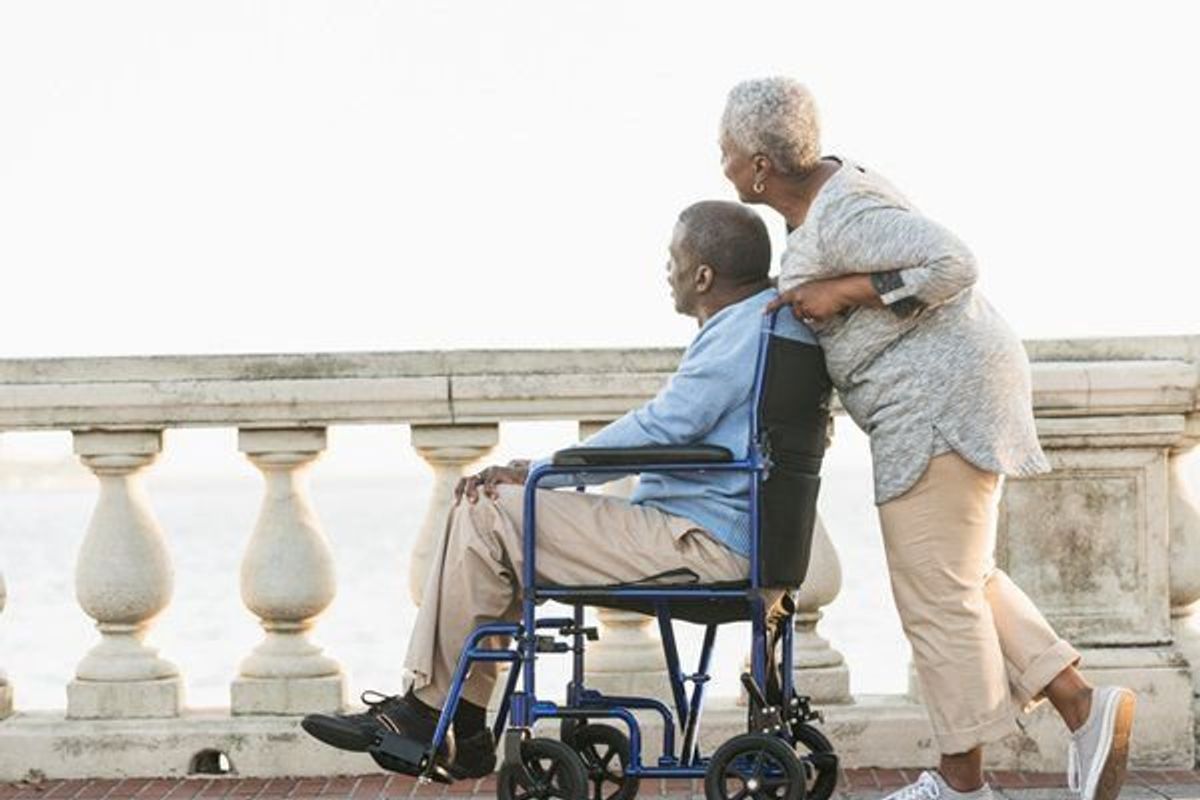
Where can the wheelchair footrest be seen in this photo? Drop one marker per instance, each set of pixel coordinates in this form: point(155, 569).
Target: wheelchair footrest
point(404, 755)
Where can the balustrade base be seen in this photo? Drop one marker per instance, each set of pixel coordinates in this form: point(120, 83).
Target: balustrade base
point(825, 685)
point(873, 731)
point(125, 699)
point(288, 695)
point(637, 684)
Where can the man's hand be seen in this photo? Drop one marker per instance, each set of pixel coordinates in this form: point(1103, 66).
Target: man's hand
point(821, 300)
point(515, 472)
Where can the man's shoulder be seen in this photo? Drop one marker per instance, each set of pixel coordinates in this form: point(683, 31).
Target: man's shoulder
point(741, 324)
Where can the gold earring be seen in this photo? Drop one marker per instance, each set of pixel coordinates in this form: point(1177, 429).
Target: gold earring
point(758, 186)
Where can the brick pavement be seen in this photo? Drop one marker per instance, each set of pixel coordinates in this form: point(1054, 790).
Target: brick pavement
point(855, 784)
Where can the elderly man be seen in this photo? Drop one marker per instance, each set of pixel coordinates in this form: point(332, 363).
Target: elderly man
point(699, 523)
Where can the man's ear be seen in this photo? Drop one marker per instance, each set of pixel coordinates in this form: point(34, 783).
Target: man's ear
point(705, 277)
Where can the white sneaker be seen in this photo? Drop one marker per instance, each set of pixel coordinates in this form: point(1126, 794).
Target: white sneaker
point(932, 786)
point(1099, 750)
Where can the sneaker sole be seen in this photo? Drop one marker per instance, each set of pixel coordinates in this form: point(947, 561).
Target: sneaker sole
point(341, 737)
point(1112, 774)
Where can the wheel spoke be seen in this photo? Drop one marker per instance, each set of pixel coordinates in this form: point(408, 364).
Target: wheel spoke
point(756, 768)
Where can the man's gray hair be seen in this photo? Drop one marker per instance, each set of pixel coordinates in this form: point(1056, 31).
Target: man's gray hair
point(776, 117)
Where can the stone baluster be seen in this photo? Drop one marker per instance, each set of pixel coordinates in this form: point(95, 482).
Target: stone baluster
point(820, 671)
point(1184, 513)
point(287, 580)
point(123, 579)
point(448, 449)
point(628, 658)
point(5, 688)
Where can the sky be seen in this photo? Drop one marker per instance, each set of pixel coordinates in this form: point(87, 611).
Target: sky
point(232, 176)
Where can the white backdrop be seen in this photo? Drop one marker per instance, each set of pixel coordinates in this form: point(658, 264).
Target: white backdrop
point(227, 176)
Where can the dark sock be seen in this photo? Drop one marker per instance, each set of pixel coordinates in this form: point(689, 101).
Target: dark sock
point(469, 719)
point(429, 711)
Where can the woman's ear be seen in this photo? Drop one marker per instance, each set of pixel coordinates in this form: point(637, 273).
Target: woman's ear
point(762, 166)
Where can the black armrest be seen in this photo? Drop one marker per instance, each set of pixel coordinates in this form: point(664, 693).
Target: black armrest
point(635, 456)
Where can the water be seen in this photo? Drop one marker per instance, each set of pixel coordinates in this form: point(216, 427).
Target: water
point(370, 492)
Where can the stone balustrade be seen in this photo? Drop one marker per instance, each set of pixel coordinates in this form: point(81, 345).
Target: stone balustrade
point(1108, 545)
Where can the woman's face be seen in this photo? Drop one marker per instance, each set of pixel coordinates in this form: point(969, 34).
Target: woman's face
point(738, 166)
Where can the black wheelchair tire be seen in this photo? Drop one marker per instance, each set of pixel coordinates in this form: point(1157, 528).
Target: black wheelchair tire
point(597, 746)
point(727, 777)
point(822, 786)
point(556, 769)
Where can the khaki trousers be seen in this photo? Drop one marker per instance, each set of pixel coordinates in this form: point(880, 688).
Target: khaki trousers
point(978, 641)
point(581, 539)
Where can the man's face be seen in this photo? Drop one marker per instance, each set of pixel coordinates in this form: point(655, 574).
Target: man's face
point(681, 273)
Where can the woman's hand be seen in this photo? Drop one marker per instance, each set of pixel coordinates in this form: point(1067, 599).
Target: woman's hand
point(515, 473)
point(821, 300)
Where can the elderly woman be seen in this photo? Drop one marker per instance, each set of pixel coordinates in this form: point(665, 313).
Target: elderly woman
point(940, 383)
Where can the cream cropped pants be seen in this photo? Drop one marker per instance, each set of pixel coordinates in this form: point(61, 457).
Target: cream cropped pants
point(979, 644)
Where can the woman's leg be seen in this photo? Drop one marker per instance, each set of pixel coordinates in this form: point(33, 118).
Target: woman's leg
point(938, 539)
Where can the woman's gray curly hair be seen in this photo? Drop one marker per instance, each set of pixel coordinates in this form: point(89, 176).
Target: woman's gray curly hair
point(776, 117)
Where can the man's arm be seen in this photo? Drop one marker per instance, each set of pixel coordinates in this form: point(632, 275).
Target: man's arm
point(696, 396)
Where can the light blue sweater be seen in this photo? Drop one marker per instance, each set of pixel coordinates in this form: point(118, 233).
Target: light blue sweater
point(707, 400)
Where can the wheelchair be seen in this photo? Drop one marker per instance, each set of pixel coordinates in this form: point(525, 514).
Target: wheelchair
point(782, 755)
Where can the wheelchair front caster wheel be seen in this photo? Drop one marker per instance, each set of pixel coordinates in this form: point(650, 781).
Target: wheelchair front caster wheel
point(548, 769)
point(754, 765)
point(605, 753)
point(821, 763)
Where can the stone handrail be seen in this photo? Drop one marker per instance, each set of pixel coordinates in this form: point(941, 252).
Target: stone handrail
point(1108, 544)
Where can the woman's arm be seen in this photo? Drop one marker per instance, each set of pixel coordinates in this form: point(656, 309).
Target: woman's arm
point(913, 262)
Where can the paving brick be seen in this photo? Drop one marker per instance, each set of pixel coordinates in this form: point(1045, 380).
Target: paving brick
point(341, 786)
point(428, 789)
point(96, 789)
point(67, 790)
point(890, 778)
point(277, 788)
point(157, 789)
point(188, 788)
point(128, 788)
point(858, 779)
point(309, 787)
point(1177, 791)
point(217, 787)
point(398, 786)
point(1006, 779)
point(1182, 776)
point(369, 788)
point(1045, 780)
point(248, 788)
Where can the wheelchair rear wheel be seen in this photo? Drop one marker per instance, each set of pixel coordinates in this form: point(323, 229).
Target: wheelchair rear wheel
point(551, 770)
point(754, 765)
point(817, 753)
point(605, 753)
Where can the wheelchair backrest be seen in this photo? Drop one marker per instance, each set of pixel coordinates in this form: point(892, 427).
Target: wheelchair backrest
point(793, 428)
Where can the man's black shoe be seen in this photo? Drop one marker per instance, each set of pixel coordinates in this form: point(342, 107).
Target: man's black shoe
point(401, 715)
point(476, 756)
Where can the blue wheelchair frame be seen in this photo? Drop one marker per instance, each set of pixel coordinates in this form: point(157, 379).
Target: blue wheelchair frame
point(520, 710)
